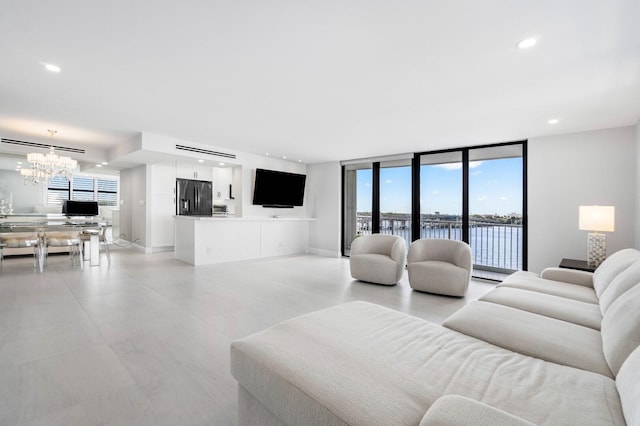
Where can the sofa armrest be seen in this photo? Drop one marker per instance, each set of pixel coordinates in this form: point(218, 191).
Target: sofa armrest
point(456, 410)
point(571, 276)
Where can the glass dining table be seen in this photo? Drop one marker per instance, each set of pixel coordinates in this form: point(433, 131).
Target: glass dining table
point(40, 226)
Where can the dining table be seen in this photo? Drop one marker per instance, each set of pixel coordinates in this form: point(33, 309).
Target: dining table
point(42, 224)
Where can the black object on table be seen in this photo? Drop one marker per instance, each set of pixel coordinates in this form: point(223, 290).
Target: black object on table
point(580, 265)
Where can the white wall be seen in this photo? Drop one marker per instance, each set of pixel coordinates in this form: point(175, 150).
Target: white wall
point(160, 206)
point(637, 198)
point(566, 171)
point(323, 200)
point(133, 205)
point(25, 196)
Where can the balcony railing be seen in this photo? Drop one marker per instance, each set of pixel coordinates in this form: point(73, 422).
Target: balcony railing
point(495, 246)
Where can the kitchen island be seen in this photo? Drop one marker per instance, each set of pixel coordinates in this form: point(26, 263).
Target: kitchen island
point(204, 240)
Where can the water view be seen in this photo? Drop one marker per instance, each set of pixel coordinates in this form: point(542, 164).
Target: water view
point(496, 241)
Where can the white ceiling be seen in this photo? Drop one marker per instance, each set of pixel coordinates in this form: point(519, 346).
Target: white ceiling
point(316, 80)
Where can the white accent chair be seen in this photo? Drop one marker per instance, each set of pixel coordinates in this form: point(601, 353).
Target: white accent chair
point(378, 259)
point(440, 266)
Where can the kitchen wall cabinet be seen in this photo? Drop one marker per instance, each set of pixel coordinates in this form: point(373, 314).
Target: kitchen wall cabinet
point(222, 178)
point(194, 171)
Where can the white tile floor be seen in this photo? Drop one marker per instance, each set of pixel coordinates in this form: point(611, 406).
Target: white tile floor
point(146, 340)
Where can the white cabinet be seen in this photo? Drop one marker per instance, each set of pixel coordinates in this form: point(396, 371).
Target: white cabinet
point(222, 178)
point(162, 179)
point(161, 182)
point(194, 171)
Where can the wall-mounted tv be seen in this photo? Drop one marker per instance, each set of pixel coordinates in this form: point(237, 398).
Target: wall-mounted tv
point(278, 189)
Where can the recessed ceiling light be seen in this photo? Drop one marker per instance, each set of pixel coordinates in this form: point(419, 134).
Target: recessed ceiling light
point(98, 165)
point(200, 161)
point(284, 157)
point(222, 164)
point(553, 121)
point(267, 154)
point(19, 162)
point(527, 43)
point(52, 68)
point(104, 163)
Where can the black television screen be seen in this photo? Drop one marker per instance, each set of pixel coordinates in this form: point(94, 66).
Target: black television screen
point(278, 189)
point(80, 208)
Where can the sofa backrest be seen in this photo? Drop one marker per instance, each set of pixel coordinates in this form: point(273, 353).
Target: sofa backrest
point(629, 388)
point(611, 267)
point(624, 281)
point(620, 329)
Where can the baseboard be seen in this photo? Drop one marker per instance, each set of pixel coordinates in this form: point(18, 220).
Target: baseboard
point(324, 252)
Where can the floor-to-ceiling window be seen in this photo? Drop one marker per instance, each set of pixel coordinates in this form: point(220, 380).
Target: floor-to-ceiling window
point(441, 195)
point(475, 194)
point(496, 234)
point(395, 198)
point(357, 202)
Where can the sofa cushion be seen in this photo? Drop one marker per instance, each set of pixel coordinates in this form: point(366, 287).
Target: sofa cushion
point(620, 284)
point(628, 386)
point(360, 364)
point(532, 334)
point(574, 311)
point(456, 410)
point(571, 276)
point(533, 282)
point(611, 267)
point(621, 328)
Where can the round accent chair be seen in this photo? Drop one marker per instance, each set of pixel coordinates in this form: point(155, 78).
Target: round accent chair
point(440, 266)
point(378, 259)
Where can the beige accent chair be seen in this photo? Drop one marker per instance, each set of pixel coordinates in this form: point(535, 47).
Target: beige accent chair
point(378, 259)
point(440, 266)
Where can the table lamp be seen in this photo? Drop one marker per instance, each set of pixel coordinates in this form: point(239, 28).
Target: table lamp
point(596, 219)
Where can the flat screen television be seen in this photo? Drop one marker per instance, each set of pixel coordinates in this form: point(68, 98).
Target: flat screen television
point(278, 189)
point(80, 208)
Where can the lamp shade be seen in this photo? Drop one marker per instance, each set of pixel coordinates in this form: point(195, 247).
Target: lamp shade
point(597, 218)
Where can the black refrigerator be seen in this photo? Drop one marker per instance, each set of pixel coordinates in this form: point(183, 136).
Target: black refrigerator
point(194, 197)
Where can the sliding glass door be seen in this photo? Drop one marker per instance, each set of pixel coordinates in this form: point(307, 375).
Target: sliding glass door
point(477, 195)
point(441, 195)
point(395, 198)
point(496, 204)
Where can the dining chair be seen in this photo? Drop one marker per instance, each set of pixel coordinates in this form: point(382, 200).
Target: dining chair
point(70, 238)
point(102, 239)
point(21, 240)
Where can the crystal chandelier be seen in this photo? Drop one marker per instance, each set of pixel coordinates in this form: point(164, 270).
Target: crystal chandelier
point(45, 166)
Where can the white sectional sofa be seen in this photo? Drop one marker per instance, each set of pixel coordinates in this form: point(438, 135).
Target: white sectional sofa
point(556, 349)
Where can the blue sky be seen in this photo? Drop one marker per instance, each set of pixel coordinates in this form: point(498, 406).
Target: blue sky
point(495, 187)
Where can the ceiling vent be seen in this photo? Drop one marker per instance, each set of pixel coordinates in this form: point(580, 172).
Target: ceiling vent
point(42, 145)
point(205, 151)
